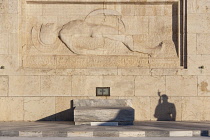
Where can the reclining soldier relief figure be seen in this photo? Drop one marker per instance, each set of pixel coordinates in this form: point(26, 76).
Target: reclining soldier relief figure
point(48, 37)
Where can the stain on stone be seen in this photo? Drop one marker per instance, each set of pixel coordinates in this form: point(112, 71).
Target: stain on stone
point(204, 87)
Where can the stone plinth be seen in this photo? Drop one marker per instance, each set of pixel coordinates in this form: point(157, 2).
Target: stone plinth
point(87, 111)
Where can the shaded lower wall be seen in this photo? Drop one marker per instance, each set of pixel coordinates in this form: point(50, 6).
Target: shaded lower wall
point(59, 108)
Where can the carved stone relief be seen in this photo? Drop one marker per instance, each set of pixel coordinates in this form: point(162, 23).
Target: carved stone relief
point(105, 32)
point(84, 38)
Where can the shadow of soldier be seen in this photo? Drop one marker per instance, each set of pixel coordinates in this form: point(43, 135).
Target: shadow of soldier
point(165, 111)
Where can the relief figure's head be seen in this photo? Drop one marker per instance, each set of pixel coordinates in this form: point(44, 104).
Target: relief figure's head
point(48, 33)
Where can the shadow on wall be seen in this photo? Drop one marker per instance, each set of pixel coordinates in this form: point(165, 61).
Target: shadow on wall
point(165, 111)
point(66, 115)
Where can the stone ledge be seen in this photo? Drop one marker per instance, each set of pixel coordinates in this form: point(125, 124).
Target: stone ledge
point(77, 1)
point(105, 133)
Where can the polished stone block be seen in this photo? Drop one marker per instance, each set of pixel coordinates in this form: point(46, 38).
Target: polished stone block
point(92, 111)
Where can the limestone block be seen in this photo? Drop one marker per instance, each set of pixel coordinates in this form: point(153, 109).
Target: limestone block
point(181, 85)
point(152, 10)
point(103, 114)
point(119, 85)
point(12, 23)
point(166, 63)
point(101, 71)
point(10, 63)
point(192, 44)
point(198, 23)
point(135, 25)
point(71, 9)
point(104, 124)
point(192, 108)
point(206, 109)
point(141, 105)
point(206, 63)
point(4, 85)
point(203, 86)
point(102, 103)
point(39, 108)
point(13, 39)
point(24, 86)
point(4, 39)
point(9, 105)
point(149, 85)
point(128, 9)
point(13, 6)
point(133, 71)
point(203, 44)
point(203, 6)
point(171, 9)
point(192, 6)
point(56, 85)
point(35, 9)
point(70, 71)
point(160, 29)
point(85, 85)
point(194, 62)
point(44, 61)
point(161, 72)
point(32, 72)
point(3, 7)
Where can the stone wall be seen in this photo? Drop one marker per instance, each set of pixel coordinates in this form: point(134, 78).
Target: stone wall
point(138, 48)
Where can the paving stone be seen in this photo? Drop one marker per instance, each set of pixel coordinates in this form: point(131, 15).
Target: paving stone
point(54, 134)
point(106, 133)
point(181, 133)
point(80, 134)
point(132, 134)
point(9, 133)
point(157, 134)
point(30, 134)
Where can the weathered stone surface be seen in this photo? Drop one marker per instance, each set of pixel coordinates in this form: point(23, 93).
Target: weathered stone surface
point(4, 85)
point(120, 85)
point(106, 134)
point(132, 134)
point(181, 85)
point(121, 44)
point(24, 86)
point(85, 85)
point(202, 44)
point(157, 134)
point(56, 85)
point(149, 85)
point(102, 103)
point(192, 108)
point(103, 111)
point(39, 108)
point(9, 105)
point(104, 123)
point(181, 133)
point(203, 86)
point(80, 134)
point(30, 134)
